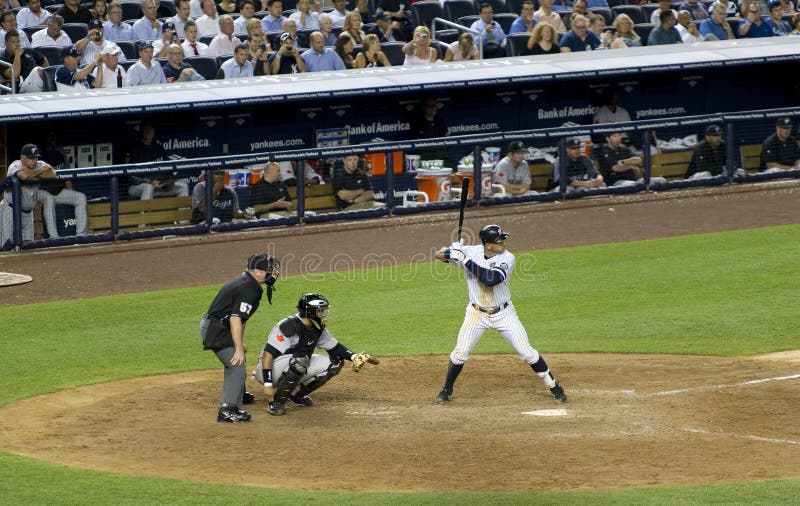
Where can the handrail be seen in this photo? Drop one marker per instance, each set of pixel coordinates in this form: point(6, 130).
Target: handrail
point(13, 88)
point(447, 22)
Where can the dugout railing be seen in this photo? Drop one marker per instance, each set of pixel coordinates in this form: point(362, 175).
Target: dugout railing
point(116, 216)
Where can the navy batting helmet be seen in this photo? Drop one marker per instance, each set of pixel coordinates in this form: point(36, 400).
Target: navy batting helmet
point(309, 305)
point(493, 234)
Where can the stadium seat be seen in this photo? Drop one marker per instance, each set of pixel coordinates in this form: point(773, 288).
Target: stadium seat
point(517, 43)
point(454, 9)
point(614, 3)
point(75, 31)
point(50, 77)
point(288, 12)
point(30, 30)
point(606, 13)
point(447, 36)
point(468, 20)
point(206, 66)
point(734, 22)
point(648, 10)
point(222, 59)
point(441, 48)
point(127, 64)
point(643, 30)
point(128, 49)
point(424, 12)
point(505, 19)
point(634, 11)
point(497, 5)
point(52, 53)
point(565, 18)
point(53, 8)
point(206, 39)
point(131, 10)
point(394, 52)
point(515, 6)
point(167, 8)
point(289, 4)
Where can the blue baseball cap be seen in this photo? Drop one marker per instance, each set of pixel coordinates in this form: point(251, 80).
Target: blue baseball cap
point(70, 51)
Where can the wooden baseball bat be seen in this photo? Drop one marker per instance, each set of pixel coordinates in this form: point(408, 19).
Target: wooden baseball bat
point(463, 206)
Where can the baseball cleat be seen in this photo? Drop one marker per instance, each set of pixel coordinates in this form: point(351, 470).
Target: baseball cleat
point(232, 414)
point(248, 398)
point(558, 394)
point(443, 396)
point(304, 401)
point(276, 408)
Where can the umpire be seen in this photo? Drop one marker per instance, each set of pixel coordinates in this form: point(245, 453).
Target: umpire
point(222, 329)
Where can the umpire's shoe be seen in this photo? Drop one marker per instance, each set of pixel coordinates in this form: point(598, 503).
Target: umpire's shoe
point(248, 398)
point(443, 396)
point(276, 408)
point(232, 414)
point(558, 394)
point(303, 401)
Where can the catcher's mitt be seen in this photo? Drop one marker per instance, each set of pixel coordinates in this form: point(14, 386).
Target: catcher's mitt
point(359, 359)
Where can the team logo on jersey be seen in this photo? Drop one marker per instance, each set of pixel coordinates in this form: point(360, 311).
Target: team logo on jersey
point(280, 338)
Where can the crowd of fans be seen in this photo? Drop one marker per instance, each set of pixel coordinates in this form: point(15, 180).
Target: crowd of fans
point(258, 37)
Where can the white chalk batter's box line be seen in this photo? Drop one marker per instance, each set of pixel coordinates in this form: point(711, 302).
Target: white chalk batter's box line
point(741, 436)
point(719, 387)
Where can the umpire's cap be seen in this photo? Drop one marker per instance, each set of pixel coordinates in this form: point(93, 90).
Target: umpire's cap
point(264, 262)
point(493, 234)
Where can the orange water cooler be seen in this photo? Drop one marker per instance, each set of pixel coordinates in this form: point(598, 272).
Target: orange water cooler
point(435, 183)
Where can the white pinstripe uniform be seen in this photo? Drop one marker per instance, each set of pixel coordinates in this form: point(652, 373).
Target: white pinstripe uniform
point(495, 299)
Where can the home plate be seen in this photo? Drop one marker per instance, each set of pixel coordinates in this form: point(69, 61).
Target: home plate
point(546, 412)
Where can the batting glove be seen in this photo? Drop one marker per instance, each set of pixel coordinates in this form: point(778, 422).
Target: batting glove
point(456, 245)
point(457, 256)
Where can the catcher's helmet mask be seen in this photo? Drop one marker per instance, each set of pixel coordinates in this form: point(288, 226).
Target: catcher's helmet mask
point(492, 234)
point(314, 307)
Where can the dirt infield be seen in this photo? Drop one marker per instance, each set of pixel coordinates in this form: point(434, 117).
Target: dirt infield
point(632, 420)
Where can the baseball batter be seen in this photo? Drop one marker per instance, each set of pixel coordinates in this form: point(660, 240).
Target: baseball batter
point(488, 269)
point(288, 367)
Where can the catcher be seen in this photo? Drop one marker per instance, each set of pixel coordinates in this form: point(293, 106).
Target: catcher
point(288, 367)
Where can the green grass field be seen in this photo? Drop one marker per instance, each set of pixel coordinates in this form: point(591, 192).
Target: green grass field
point(733, 293)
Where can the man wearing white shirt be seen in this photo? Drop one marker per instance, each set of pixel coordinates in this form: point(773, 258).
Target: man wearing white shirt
point(545, 13)
point(181, 16)
point(238, 66)
point(93, 42)
point(190, 46)
point(114, 29)
point(148, 27)
point(52, 35)
point(32, 15)
point(225, 42)
point(339, 12)
point(113, 74)
point(9, 22)
point(247, 10)
point(208, 23)
point(145, 71)
point(304, 17)
point(195, 9)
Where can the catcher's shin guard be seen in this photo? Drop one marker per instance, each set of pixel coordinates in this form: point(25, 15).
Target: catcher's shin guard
point(319, 380)
point(290, 378)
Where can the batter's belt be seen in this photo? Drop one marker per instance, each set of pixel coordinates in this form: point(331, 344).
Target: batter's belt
point(491, 310)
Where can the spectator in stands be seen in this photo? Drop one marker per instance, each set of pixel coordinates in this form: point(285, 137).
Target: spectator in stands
point(52, 35)
point(731, 9)
point(543, 40)
point(462, 49)
point(525, 22)
point(344, 48)
point(666, 32)
point(329, 38)
point(32, 15)
point(753, 26)
point(623, 24)
point(579, 38)
point(269, 197)
point(191, 46)
point(717, 25)
point(114, 29)
point(492, 37)
point(580, 7)
point(182, 16)
point(339, 13)
point(513, 172)
point(709, 158)
point(796, 24)
point(362, 7)
point(352, 187)
point(226, 7)
point(419, 50)
point(581, 174)
point(287, 59)
point(148, 27)
point(93, 43)
point(176, 70)
point(780, 28)
point(168, 36)
point(305, 18)
point(238, 66)
point(687, 29)
point(156, 185)
point(256, 38)
point(225, 41)
point(99, 10)
point(247, 12)
point(663, 5)
point(696, 9)
point(779, 151)
point(145, 71)
point(69, 78)
point(27, 63)
point(28, 167)
point(609, 111)
point(290, 27)
point(9, 23)
point(259, 53)
point(113, 75)
point(225, 203)
point(371, 54)
point(597, 25)
point(352, 26)
point(320, 58)
point(545, 13)
point(617, 163)
point(788, 7)
point(73, 12)
point(383, 29)
point(208, 23)
point(273, 22)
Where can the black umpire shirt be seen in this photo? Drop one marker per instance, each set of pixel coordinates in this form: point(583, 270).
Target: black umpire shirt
point(264, 192)
point(238, 297)
point(775, 151)
point(707, 158)
point(607, 157)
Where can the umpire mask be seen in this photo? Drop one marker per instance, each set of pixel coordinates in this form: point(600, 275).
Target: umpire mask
point(268, 264)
